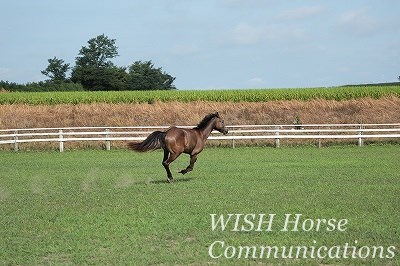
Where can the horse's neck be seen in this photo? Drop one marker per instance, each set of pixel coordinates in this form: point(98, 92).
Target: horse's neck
point(206, 131)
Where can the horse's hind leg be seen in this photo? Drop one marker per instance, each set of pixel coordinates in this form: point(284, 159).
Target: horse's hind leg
point(193, 159)
point(166, 165)
point(168, 159)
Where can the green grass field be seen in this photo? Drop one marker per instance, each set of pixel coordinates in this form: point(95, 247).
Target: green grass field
point(115, 208)
point(245, 95)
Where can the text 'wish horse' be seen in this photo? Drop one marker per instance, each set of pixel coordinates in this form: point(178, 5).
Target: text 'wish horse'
point(176, 141)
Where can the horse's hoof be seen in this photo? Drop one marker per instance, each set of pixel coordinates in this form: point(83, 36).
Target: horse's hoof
point(182, 171)
point(170, 180)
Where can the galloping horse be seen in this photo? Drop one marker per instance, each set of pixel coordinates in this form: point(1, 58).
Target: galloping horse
point(176, 141)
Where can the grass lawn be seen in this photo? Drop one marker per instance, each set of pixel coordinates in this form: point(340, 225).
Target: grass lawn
point(114, 207)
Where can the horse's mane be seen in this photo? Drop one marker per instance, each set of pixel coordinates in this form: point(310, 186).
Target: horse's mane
point(206, 120)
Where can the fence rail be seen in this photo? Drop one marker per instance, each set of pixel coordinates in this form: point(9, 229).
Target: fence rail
point(319, 132)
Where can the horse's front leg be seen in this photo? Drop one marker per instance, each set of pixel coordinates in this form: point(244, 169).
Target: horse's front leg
point(193, 159)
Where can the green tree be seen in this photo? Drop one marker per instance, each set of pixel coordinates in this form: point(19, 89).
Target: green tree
point(144, 76)
point(94, 68)
point(98, 53)
point(56, 70)
point(101, 78)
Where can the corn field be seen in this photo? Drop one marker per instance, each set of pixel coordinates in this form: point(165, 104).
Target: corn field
point(248, 95)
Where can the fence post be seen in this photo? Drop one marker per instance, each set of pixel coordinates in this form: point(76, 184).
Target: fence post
point(319, 139)
point(16, 140)
point(61, 140)
point(277, 140)
point(360, 139)
point(108, 142)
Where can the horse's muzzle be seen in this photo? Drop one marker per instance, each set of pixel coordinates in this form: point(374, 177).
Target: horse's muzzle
point(224, 131)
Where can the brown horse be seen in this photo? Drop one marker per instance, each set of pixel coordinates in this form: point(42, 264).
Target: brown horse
point(176, 141)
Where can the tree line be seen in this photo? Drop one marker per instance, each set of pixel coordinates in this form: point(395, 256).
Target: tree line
point(95, 71)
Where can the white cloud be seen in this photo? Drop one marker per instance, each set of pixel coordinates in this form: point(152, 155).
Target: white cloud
point(4, 70)
point(185, 49)
point(247, 34)
point(5, 73)
point(256, 81)
point(344, 69)
point(301, 13)
point(358, 22)
point(248, 3)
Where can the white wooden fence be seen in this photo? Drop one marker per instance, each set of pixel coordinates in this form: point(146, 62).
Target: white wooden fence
point(358, 132)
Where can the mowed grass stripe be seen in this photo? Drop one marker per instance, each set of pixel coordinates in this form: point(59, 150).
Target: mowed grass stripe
point(114, 207)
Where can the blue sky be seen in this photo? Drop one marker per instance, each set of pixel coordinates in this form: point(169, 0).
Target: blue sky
point(212, 44)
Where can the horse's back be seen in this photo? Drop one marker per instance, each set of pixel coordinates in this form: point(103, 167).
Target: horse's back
point(180, 140)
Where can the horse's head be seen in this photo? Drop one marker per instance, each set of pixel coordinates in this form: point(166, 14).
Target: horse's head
point(220, 124)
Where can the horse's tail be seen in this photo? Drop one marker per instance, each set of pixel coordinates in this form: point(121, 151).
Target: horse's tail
point(154, 141)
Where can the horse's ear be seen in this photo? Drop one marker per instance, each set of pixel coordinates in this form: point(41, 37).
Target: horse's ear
point(217, 114)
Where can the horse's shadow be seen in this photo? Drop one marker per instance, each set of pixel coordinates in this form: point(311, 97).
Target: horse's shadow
point(158, 182)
